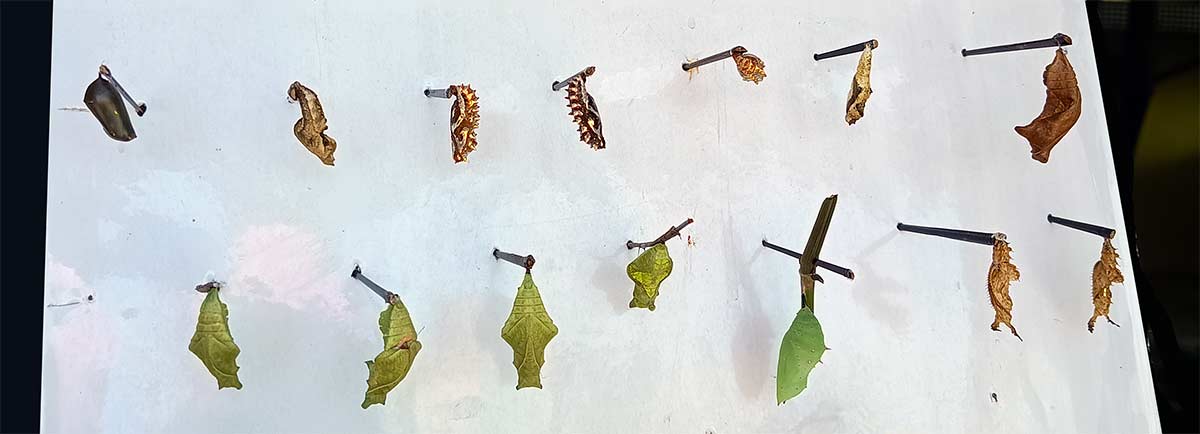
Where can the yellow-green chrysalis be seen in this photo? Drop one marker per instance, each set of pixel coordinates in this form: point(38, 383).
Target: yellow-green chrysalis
point(212, 342)
point(400, 347)
point(647, 272)
point(528, 330)
point(802, 347)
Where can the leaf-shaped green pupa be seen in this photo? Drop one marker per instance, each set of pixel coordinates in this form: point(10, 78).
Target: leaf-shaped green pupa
point(400, 347)
point(528, 330)
point(802, 347)
point(647, 272)
point(213, 343)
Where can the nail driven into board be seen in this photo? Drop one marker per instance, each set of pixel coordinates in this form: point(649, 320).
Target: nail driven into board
point(1058, 40)
point(984, 238)
point(671, 233)
point(386, 295)
point(842, 271)
point(438, 93)
point(558, 85)
point(525, 262)
point(139, 107)
point(1100, 231)
point(847, 50)
point(687, 66)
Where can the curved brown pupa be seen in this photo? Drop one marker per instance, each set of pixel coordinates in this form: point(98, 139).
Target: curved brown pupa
point(1104, 274)
point(1000, 274)
point(1061, 111)
point(749, 66)
point(464, 119)
point(584, 111)
point(310, 129)
point(860, 88)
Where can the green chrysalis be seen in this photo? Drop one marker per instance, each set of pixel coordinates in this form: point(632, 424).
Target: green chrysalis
point(400, 347)
point(803, 345)
point(528, 330)
point(647, 272)
point(212, 342)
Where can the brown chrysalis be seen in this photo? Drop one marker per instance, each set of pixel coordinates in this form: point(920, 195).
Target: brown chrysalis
point(860, 88)
point(464, 119)
point(1104, 274)
point(310, 129)
point(584, 110)
point(1060, 112)
point(749, 66)
point(1000, 274)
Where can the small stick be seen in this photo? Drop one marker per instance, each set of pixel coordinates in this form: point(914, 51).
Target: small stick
point(847, 50)
point(687, 66)
point(843, 271)
point(1058, 40)
point(438, 93)
point(525, 262)
point(671, 233)
point(558, 85)
point(139, 107)
point(955, 234)
point(1086, 227)
point(387, 296)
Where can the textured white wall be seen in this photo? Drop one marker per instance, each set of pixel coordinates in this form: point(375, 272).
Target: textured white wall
point(217, 185)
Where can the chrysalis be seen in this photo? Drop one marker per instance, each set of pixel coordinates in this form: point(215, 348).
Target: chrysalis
point(212, 342)
point(803, 345)
point(647, 272)
point(1104, 274)
point(400, 348)
point(1060, 112)
point(528, 330)
point(749, 66)
point(1000, 274)
point(464, 119)
point(310, 129)
point(860, 88)
point(584, 111)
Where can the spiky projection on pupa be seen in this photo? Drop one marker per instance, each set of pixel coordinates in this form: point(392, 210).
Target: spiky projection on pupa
point(1000, 275)
point(464, 119)
point(1104, 274)
point(584, 111)
point(748, 65)
point(310, 129)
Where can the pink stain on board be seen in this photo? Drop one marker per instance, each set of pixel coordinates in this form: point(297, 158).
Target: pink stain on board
point(80, 350)
point(288, 265)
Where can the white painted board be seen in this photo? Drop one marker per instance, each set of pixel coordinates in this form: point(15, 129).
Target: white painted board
point(217, 186)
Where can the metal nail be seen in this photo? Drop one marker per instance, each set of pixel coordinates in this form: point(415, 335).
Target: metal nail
point(843, 271)
point(525, 262)
point(387, 296)
point(713, 58)
point(1086, 227)
point(1058, 40)
point(847, 50)
point(955, 234)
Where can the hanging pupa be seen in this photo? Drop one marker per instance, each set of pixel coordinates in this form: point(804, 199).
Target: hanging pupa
point(212, 342)
point(1060, 112)
point(400, 345)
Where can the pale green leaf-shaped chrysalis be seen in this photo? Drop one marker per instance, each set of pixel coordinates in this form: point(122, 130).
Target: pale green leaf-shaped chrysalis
point(528, 330)
point(802, 347)
point(213, 343)
point(400, 347)
point(647, 272)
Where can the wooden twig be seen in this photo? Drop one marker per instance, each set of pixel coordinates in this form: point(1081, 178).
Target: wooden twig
point(671, 233)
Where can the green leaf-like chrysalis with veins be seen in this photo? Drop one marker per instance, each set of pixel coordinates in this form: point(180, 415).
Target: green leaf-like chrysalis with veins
point(528, 330)
point(400, 348)
point(803, 345)
point(648, 271)
point(213, 343)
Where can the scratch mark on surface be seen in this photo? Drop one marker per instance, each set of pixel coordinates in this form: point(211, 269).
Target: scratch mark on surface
point(73, 109)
